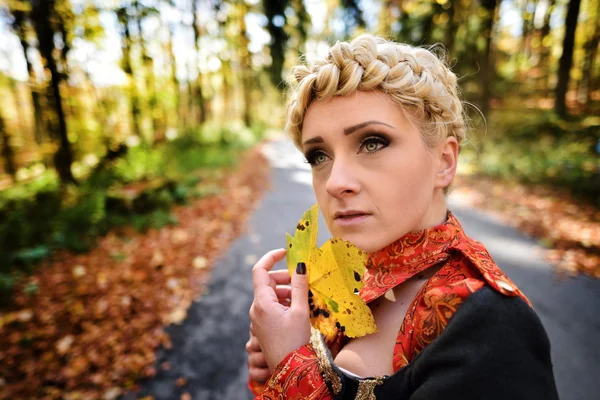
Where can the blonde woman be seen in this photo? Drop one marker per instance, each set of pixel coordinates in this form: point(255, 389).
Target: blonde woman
point(381, 125)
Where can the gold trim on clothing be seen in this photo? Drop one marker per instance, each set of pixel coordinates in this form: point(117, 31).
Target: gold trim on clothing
point(330, 376)
point(366, 388)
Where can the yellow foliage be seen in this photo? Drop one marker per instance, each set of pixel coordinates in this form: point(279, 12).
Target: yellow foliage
point(335, 274)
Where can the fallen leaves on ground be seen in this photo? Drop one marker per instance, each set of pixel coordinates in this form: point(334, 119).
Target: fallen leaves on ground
point(93, 326)
point(570, 229)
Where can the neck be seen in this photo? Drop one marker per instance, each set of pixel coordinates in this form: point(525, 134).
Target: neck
point(437, 212)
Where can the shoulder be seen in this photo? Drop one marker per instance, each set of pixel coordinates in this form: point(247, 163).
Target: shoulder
point(492, 341)
point(491, 316)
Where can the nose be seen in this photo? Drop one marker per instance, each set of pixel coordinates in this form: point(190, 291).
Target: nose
point(342, 180)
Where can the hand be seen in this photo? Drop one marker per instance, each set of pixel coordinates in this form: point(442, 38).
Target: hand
point(280, 329)
point(258, 369)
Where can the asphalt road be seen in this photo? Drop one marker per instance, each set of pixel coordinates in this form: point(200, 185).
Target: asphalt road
point(208, 348)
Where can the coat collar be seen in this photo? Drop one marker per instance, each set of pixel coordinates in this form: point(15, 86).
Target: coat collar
point(411, 254)
point(417, 251)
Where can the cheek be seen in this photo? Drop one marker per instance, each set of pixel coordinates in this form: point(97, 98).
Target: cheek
point(406, 184)
point(319, 189)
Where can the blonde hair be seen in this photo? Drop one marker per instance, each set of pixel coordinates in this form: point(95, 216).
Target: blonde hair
point(414, 78)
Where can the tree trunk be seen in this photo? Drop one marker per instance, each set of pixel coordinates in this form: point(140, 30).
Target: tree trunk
point(591, 50)
point(451, 27)
point(527, 28)
point(545, 53)
point(198, 86)
point(148, 71)
point(246, 66)
point(7, 151)
point(174, 78)
point(385, 19)
point(126, 62)
point(404, 35)
point(566, 60)
point(41, 16)
point(488, 65)
point(427, 29)
point(279, 38)
point(228, 104)
point(38, 119)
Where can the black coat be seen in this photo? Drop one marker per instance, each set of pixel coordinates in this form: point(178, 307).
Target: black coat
point(494, 347)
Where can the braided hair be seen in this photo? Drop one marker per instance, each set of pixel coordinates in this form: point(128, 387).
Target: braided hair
point(414, 78)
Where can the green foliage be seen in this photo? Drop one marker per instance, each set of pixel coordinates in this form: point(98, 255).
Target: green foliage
point(6, 283)
point(535, 146)
point(31, 289)
point(137, 189)
point(154, 220)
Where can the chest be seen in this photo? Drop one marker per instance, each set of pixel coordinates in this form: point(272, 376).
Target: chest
point(373, 354)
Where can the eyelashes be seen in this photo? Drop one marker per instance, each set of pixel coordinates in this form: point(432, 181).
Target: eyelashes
point(369, 145)
point(311, 156)
point(379, 142)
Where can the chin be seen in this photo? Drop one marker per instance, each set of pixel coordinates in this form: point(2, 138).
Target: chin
point(368, 246)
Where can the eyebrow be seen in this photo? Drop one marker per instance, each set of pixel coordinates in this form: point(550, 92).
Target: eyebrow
point(354, 128)
point(348, 130)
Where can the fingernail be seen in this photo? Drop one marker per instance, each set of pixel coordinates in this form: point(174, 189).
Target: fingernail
point(301, 268)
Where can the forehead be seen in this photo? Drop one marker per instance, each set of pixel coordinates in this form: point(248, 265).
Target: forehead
point(332, 116)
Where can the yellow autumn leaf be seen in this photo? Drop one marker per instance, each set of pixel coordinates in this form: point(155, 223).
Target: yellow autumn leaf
point(335, 274)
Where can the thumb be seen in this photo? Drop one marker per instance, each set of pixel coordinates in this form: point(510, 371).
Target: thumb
point(300, 288)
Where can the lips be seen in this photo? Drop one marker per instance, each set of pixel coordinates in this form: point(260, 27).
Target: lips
point(348, 214)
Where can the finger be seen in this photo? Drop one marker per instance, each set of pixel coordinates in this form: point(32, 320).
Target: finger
point(284, 293)
point(280, 277)
point(300, 289)
point(253, 345)
point(259, 375)
point(257, 360)
point(260, 271)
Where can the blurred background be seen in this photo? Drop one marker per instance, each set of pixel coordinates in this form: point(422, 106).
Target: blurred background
point(111, 111)
point(102, 92)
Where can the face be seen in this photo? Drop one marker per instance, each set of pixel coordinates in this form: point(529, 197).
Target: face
point(374, 178)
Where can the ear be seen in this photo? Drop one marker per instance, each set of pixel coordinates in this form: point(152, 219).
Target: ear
point(448, 157)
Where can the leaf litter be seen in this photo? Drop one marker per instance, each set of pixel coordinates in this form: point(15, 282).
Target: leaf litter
point(91, 328)
point(567, 227)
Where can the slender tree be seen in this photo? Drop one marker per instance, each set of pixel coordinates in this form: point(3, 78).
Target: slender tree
point(20, 26)
point(42, 14)
point(589, 58)
point(126, 64)
point(173, 62)
point(197, 91)
point(140, 11)
point(487, 66)
point(246, 65)
point(7, 151)
point(386, 19)
point(528, 9)
point(450, 33)
point(566, 60)
point(545, 46)
point(276, 20)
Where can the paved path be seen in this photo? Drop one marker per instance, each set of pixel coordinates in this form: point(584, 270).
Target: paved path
point(208, 348)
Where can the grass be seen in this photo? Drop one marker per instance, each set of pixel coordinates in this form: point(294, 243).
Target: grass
point(533, 146)
point(138, 190)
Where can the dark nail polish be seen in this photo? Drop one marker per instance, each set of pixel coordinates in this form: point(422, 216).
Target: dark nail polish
point(301, 268)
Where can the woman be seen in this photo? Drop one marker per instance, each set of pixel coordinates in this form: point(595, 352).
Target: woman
point(381, 125)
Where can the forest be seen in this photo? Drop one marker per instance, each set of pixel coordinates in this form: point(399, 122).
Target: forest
point(107, 107)
point(122, 123)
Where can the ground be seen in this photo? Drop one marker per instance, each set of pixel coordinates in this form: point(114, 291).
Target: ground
point(207, 358)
